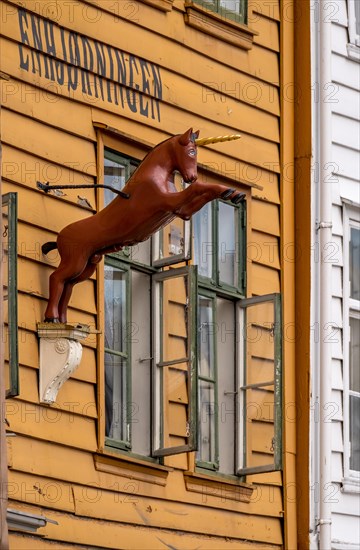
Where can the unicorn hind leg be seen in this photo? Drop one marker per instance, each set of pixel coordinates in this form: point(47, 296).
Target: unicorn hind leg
point(69, 285)
point(58, 279)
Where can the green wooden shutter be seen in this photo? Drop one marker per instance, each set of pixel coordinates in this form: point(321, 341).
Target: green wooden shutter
point(175, 365)
point(259, 385)
point(9, 267)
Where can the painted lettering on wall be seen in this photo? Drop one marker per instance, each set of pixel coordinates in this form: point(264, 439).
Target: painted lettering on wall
point(99, 70)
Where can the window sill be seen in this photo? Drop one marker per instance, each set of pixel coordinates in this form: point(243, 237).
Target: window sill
point(353, 52)
point(216, 25)
point(217, 485)
point(163, 5)
point(132, 468)
point(350, 485)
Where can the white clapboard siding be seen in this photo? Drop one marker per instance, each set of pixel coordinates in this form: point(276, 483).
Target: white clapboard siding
point(345, 505)
point(344, 72)
point(336, 281)
point(337, 12)
point(333, 251)
point(337, 221)
point(339, 38)
point(345, 188)
point(346, 528)
point(346, 131)
point(346, 101)
point(336, 375)
point(346, 161)
point(336, 467)
point(336, 311)
point(345, 106)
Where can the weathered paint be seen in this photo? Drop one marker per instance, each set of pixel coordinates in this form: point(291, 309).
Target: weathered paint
point(132, 72)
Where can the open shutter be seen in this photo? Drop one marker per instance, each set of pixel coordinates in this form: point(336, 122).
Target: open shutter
point(260, 388)
point(172, 243)
point(9, 267)
point(175, 366)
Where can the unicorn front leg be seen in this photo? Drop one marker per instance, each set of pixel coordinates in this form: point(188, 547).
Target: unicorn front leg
point(194, 197)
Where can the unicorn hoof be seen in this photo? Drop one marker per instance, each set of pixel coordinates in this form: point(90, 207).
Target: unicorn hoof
point(238, 198)
point(227, 194)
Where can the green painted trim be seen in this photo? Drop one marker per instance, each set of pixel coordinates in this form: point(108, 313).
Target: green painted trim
point(124, 453)
point(206, 466)
point(278, 389)
point(194, 375)
point(190, 273)
point(278, 417)
point(10, 200)
point(116, 444)
point(243, 252)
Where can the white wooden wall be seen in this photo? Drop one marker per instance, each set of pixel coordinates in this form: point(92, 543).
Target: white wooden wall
point(345, 97)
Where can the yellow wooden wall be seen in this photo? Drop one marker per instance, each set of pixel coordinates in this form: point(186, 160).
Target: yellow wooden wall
point(48, 134)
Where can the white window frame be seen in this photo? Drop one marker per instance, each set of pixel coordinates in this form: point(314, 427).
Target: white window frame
point(351, 218)
point(353, 47)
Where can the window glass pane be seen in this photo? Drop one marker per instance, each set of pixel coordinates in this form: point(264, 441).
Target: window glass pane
point(355, 263)
point(226, 357)
point(172, 243)
point(354, 433)
point(115, 309)
point(114, 175)
point(207, 433)
point(354, 354)
point(115, 397)
point(203, 241)
point(232, 5)
point(206, 337)
point(357, 16)
point(139, 338)
point(227, 244)
point(209, 4)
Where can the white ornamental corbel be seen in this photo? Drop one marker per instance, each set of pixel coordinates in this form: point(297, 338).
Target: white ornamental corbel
point(60, 356)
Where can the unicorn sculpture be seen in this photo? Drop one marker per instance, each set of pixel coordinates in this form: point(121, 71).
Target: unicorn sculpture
point(149, 203)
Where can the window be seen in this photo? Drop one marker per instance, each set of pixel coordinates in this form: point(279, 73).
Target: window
point(239, 352)
point(354, 21)
point(127, 314)
point(228, 9)
point(225, 20)
point(190, 364)
point(353, 47)
point(9, 275)
point(352, 343)
point(149, 354)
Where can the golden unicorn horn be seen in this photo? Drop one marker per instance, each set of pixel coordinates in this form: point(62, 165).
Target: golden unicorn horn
point(207, 141)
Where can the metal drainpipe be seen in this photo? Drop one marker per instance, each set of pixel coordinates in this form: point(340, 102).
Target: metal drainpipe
point(325, 230)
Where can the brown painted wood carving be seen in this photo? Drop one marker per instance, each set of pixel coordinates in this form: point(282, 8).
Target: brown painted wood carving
point(152, 203)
